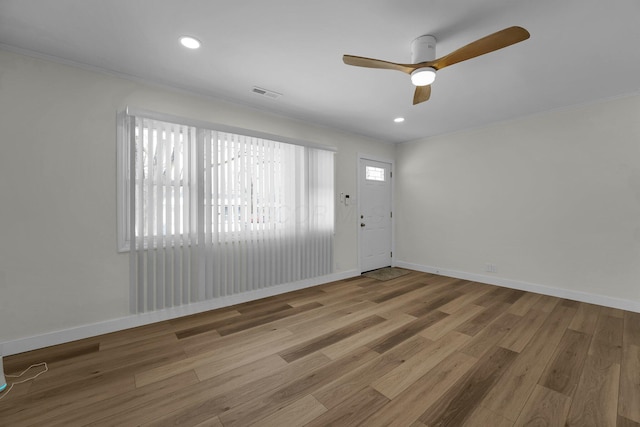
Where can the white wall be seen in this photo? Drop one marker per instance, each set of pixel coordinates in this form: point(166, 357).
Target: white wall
point(552, 200)
point(59, 268)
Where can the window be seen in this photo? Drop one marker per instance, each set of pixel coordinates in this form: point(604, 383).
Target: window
point(248, 183)
point(373, 173)
point(241, 211)
point(160, 166)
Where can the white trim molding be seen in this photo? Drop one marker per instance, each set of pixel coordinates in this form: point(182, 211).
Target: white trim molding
point(597, 299)
point(21, 345)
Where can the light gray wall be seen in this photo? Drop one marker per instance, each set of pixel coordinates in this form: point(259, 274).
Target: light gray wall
point(59, 268)
point(551, 200)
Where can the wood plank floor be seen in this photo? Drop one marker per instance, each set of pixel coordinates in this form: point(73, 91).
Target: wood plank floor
point(419, 350)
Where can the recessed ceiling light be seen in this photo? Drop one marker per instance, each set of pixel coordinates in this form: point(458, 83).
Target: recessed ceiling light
point(399, 119)
point(189, 42)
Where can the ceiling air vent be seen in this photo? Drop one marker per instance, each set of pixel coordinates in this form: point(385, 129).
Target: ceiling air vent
point(265, 92)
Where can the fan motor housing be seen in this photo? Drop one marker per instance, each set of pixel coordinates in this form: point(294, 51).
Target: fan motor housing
point(423, 49)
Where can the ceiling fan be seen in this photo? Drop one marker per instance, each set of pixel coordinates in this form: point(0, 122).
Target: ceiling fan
point(424, 65)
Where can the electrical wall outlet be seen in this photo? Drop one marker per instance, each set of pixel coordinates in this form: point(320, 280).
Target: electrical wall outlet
point(491, 268)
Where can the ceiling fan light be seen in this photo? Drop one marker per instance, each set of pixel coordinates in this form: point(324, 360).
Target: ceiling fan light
point(423, 76)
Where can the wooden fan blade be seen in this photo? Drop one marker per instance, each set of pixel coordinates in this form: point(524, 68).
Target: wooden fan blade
point(490, 43)
point(422, 93)
point(360, 61)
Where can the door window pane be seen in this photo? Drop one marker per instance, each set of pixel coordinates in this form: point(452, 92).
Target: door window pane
point(373, 173)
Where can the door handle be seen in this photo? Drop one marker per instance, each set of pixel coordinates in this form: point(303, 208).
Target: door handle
point(362, 224)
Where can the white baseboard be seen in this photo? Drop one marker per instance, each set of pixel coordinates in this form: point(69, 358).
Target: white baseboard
point(21, 345)
point(530, 287)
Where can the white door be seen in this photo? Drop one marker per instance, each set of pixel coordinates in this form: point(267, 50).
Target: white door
point(375, 214)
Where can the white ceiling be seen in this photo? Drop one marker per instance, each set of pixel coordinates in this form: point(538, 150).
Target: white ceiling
point(579, 51)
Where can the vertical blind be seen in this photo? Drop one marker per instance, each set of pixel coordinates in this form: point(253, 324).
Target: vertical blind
point(215, 213)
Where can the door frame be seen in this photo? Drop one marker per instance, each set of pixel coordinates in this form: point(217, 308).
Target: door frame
point(359, 172)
